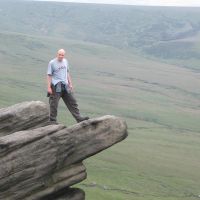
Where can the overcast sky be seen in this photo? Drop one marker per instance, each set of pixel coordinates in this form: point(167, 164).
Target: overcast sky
point(192, 3)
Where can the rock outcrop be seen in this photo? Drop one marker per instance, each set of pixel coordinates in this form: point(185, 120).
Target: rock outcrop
point(23, 116)
point(39, 161)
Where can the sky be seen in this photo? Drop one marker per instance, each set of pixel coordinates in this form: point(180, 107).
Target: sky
point(184, 3)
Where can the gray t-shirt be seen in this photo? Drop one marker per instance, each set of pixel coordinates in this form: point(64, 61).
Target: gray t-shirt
point(58, 70)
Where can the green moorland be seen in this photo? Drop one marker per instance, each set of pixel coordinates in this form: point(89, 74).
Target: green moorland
point(141, 64)
point(160, 102)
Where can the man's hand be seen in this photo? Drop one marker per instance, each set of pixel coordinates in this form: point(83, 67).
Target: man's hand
point(70, 87)
point(49, 80)
point(49, 90)
point(69, 80)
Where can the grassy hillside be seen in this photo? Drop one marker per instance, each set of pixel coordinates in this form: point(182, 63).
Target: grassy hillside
point(168, 34)
point(160, 102)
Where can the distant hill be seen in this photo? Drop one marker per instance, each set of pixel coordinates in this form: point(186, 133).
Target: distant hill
point(170, 34)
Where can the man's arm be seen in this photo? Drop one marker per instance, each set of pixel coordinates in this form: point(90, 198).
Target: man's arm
point(69, 81)
point(49, 78)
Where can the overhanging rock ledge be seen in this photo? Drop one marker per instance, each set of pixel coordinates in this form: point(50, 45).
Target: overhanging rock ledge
point(40, 161)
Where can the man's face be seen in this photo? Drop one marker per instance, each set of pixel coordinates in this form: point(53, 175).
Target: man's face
point(60, 56)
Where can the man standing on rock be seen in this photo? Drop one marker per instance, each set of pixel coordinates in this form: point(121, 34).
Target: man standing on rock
point(59, 85)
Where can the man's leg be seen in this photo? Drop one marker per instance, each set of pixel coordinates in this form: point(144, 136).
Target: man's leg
point(53, 102)
point(72, 105)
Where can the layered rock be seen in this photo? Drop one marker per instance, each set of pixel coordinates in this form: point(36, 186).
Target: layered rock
point(41, 163)
point(22, 116)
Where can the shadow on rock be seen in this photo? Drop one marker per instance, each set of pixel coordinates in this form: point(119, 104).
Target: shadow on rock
point(67, 194)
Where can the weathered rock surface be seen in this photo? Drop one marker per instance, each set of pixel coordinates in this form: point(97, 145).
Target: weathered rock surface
point(41, 163)
point(22, 116)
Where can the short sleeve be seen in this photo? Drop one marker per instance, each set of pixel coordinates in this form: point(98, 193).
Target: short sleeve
point(49, 70)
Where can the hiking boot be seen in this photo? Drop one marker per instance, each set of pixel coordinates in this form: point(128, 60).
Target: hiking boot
point(52, 123)
point(81, 119)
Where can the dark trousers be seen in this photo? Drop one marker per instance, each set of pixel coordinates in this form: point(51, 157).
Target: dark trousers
point(69, 101)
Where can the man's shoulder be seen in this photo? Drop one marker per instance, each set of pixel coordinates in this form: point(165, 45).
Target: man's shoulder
point(52, 61)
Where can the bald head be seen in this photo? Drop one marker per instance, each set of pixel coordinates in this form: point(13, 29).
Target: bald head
point(61, 55)
point(61, 51)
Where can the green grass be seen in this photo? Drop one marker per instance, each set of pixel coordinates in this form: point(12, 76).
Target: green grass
point(157, 165)
point(160, 102)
